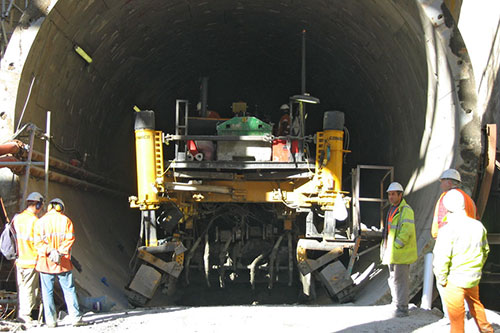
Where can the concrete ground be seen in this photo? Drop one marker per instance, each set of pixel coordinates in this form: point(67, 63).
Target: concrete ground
point(292, 318)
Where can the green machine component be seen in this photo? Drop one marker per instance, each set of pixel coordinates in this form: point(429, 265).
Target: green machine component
point(244, 150)
point(244, 126)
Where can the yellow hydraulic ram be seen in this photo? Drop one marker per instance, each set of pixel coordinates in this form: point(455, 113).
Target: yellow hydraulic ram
point(329, 152)
point(149, 160)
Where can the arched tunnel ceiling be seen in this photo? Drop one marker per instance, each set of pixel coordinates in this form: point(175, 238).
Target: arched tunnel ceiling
point(364, 58)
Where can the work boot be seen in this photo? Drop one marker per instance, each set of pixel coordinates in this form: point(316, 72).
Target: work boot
point(401, 313)
point(78, 322)
point(27, 320)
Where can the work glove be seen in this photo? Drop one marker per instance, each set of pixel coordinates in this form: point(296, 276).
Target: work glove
point(55, 256)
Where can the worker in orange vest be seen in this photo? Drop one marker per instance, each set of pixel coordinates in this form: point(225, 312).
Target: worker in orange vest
point(450, 179)
point(54, 238)
point(284, 123)
point(27, 276)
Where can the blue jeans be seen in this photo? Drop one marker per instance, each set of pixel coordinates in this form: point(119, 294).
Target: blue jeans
point(68, 288)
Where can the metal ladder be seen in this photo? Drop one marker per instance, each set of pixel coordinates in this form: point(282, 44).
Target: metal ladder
point(356, 205)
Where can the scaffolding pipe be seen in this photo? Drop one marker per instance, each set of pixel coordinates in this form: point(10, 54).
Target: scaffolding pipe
point(9, 8)
point(47, 154)
point(28, 166)
point(16, 163)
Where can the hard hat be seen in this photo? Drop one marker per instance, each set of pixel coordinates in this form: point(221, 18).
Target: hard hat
point(57, 204)
point(284, 107)
point(454, 201)
point(35, 196)
point(395, 186)
point(451, 174)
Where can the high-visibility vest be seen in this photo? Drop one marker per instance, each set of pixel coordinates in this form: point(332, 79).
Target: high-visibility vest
point(24, 224)
point(440, 212)
point(284, 125)
point(399, 245)
point(54, 230)
point(460, 251)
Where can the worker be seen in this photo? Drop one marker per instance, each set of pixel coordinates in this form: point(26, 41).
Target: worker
point(459, 255)
point(399, 247)
point(27, 276)
point(284, 123)
point(54, 238)
point(450, 179)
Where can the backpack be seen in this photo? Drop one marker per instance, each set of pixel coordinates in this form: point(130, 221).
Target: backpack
point(8, 243)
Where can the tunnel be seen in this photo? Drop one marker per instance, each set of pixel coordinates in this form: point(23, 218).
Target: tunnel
point(398, 71)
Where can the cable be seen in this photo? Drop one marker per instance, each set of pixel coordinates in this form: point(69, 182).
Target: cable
point(19, 131)
point(347, 140)
point(64, 149)
point(26, 103)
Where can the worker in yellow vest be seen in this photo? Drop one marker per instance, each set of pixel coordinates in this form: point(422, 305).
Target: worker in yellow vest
point(399, 247)
point(460, 252)
point(27, 276)
point(449, 179)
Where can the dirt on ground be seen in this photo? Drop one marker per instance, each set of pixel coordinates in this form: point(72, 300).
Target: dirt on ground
point(260, 318)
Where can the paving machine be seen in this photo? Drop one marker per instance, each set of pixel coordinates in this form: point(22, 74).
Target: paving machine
point(237, 203)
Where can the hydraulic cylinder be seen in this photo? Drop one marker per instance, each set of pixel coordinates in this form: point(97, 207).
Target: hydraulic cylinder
point(147, 198)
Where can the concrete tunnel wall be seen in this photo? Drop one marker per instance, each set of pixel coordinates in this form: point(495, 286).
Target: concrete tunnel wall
point(389, 66)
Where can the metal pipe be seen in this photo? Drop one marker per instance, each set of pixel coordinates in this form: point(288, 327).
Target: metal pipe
point(47, 154)
point(206, 259)
point(188, 259)
point(17, 7)
point(5, 164)
point(204, 96)
point(272, 259)
point(428, 278)
point(252, 266)
point(194, 247)
point(9, 7)
point(28, 165)
point(6, 41)
point(67, 180)
point(303, 76)
point(290, 260)
point(222, 260)
point(72, 170)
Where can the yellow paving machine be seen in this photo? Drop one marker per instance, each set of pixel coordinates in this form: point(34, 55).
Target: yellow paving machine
point(241, 204)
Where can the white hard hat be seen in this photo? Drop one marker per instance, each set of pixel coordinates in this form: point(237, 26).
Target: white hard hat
point(451, 174)
point(284, 107)
point(395, 186)
point(57, 201)
point(454, 201)
point(35, 196)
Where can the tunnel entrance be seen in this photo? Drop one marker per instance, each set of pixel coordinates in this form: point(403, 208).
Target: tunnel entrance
point(369, 60)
